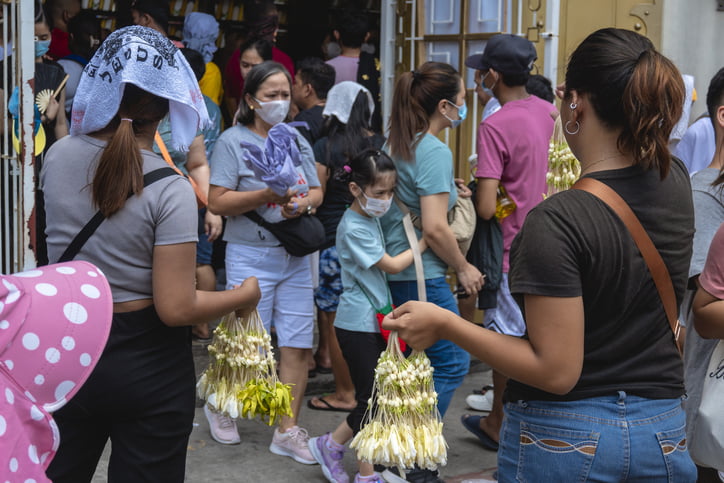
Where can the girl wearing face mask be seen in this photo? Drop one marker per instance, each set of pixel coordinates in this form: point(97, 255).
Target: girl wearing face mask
point(285, 281)
point(426, 101)
point(371, 177)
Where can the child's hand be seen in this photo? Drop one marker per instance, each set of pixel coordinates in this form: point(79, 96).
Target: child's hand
point(252, 295)
point(422, 244)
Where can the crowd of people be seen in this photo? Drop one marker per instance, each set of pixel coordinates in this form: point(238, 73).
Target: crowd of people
point(168, 199)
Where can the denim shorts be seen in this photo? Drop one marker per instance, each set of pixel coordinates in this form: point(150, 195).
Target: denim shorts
point(203, 247)
point(617, 438)
point(327, 293)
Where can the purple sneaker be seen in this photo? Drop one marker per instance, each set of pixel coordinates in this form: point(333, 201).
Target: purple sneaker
point(329, 460)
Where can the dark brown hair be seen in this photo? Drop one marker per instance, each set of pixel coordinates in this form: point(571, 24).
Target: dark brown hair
point(254, 79)
point(633, 87)
point(416, 97)
point(120, 167)
point(714, 100)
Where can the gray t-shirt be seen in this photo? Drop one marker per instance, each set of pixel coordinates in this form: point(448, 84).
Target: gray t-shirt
point(229, 170)
point(122, 247)
point(708, 216)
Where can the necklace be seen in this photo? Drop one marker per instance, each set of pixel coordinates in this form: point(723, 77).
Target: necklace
point(588, 168)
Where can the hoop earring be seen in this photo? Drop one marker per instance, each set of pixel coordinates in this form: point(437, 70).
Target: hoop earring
point(568, 131)
point(573, 106)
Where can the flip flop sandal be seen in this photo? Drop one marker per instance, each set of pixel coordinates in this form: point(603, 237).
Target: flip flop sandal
point(472, 424)
point(327, 406)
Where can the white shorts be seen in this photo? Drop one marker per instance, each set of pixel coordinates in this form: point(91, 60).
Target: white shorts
point(506, 318)
point(285, 281)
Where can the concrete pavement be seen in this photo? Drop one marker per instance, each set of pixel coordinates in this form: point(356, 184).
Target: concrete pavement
point(251, 461)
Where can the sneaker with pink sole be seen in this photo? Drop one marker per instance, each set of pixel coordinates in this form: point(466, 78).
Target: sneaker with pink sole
point(293, 443)
point(329, 459)
point(223, 428)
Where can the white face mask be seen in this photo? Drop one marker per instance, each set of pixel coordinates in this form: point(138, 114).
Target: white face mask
point(273, 112)
point(374, 207)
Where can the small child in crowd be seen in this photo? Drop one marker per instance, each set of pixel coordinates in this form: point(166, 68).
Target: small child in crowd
point(372, 177)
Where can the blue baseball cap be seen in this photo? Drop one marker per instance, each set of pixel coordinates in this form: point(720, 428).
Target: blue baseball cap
point(505, 53)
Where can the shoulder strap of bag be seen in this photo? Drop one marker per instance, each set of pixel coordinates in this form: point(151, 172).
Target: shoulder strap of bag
point(85, 233)
point(202, 199)
point(416, 255)
point(659, 272)
point(256, 218)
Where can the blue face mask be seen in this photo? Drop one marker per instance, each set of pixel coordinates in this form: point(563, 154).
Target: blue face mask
point(487, 90)
point(41, 47)
point(462, 114)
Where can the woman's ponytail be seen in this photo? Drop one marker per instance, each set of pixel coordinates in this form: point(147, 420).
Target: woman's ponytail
point(119, 172)
point(417, 95)
point(652, 103)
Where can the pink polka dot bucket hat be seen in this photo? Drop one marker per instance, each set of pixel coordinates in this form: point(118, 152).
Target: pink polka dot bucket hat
point(54, 324)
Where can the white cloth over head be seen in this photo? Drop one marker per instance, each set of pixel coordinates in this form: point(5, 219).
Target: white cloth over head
point(340, 100)
point(200, 33)
point(143, 57)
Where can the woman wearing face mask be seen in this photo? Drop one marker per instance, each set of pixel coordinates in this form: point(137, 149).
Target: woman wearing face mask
point(426, 101)
point(48, 76)
point(285, 281)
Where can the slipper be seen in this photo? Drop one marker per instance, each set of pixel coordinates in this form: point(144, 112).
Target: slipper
point(472, 424)
point(323, 370)
point(327, 406)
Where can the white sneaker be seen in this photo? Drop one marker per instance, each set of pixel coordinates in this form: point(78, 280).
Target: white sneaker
point(293, 443)
point(223, 428)
point(480, 402)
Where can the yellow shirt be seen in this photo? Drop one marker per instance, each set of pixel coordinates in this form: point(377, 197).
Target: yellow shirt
point(211, 84)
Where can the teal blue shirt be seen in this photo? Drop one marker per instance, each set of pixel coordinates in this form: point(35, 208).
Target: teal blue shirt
point(360, 246)
point(429, 173)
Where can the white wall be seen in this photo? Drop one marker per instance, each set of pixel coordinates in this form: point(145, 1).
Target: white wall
point(692, 39)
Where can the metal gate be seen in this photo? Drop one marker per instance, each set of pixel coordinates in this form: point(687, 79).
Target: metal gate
point(16, 171)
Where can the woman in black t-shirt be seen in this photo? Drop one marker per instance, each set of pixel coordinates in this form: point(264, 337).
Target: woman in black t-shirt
point(596, 383)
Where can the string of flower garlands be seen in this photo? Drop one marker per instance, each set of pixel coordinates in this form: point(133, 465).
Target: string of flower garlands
point(241, 379)
point(563, 167)
point(402, 426)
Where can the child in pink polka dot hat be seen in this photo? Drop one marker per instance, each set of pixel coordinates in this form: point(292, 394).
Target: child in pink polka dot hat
point(54, 323)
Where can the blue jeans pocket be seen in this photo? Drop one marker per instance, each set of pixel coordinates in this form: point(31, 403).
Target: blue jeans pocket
point(679, 466)
point(555, 454)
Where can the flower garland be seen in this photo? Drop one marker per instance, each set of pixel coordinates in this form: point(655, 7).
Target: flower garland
point(402, 426)
point(241, 379)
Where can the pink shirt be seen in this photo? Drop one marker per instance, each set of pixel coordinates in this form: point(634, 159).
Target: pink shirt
point(712, 277)
point(345, 68)
point(513, 148)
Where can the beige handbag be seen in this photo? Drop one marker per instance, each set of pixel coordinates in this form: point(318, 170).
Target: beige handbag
point(461, 218)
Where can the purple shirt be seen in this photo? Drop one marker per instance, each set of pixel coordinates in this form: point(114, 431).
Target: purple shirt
point(513, 148)
point(345, 68)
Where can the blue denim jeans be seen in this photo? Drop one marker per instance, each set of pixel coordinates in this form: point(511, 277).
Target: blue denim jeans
point(451, 363)
point(617, 438)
